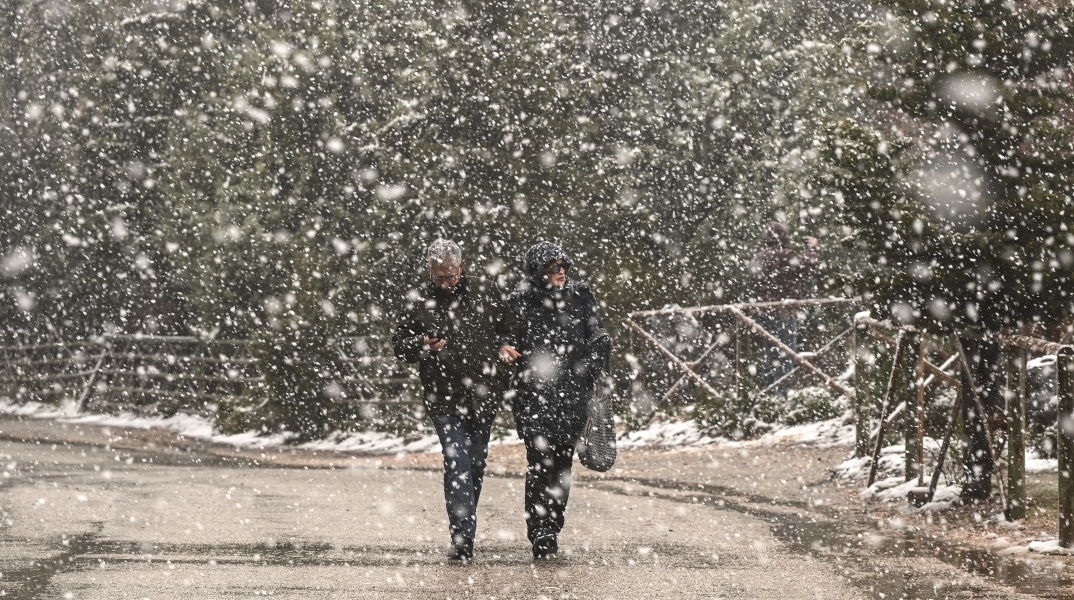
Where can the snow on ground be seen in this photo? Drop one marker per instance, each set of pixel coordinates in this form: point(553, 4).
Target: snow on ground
point(894, 489)
point(1050, 547)
point(891, 485)
point(833, 432)
point(670, 433)
point(201, 428)
point(666, 433)
point(1036, 464)
point(679, 433)
point(892, 463)
point(1005, 547)
point(685, 432)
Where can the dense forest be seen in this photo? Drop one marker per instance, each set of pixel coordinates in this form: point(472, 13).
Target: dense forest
point(272, 170)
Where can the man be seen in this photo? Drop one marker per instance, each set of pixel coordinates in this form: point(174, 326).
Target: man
point(776, 274)
point(453, 327)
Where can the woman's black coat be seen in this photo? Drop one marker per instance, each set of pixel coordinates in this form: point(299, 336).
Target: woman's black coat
point(564, 350)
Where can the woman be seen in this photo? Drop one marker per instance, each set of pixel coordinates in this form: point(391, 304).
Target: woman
point(564, 350)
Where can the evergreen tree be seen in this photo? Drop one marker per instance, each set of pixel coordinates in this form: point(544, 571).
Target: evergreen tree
point(962, 205)
point(273, 170)
point(974, 230)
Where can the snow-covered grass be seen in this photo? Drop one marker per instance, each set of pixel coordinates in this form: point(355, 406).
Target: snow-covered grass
point(895, 489)
point(674, 432)
point(1050, 547)
point(671, 432)
point(828, 433)
point(686, 432)
point(201, 428)
point(892, 487)
point(891, 484)
point(1036, 464)
point(678, 431)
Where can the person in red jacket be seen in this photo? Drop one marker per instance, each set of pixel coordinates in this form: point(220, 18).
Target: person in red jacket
point(776, 274)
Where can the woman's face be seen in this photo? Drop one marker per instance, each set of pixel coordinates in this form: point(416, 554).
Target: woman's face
point(556, 273)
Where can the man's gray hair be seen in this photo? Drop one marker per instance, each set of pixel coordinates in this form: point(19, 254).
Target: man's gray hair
point(443, 252)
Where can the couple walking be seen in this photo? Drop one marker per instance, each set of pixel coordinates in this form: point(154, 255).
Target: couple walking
point(546, 349)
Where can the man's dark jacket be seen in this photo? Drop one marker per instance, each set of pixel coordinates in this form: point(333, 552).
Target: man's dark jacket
point(466, 375)
point(564, 350)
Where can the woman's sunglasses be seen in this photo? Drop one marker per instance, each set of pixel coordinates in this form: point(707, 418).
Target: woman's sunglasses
point(557, 268)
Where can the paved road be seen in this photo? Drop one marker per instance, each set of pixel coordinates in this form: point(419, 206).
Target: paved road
point(89, 512)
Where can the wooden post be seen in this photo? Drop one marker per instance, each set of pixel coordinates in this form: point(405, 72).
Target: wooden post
point(971, 387)
point(1016, 440)
point(862, 406)
point(900, 349)
point(914, 377)
point(86, 389)
point(741, 345)
point(920, 387)
point(955, 414)
point(1064, 366)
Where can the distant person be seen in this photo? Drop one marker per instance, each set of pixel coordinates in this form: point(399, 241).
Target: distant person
point(453, 327)
point(564, 351)
point(776, 273)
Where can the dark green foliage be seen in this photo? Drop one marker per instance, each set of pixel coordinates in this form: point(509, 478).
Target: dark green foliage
point(742, 417)
point(272, 170)
point(965, 212)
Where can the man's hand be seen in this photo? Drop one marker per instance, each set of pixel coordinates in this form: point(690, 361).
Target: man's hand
point(509, 355)
point(434, 344)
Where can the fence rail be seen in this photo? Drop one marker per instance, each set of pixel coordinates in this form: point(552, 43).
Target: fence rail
point(734, 339)
point(170, 372)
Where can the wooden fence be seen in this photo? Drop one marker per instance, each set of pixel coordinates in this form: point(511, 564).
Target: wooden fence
point(735, 342)
point(919, 363)
point(914, 366)
point(166, 374)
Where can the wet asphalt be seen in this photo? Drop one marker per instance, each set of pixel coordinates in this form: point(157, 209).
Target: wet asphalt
point(91, 512)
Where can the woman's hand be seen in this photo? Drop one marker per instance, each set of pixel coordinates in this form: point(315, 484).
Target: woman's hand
point(509, 355)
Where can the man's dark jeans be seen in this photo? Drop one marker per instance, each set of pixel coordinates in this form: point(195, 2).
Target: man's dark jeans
point(774, 362)
point(464, 441)
point(548, 485)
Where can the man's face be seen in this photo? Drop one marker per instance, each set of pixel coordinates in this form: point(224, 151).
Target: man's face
point(446, 277)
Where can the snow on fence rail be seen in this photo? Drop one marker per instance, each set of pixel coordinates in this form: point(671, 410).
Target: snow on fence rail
point(171, 373)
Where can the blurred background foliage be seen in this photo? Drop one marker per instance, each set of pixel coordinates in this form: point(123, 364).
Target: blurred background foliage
point(273, 169)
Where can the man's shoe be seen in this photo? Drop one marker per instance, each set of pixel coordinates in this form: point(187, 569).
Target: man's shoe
point(545, 547)
point(463, 550)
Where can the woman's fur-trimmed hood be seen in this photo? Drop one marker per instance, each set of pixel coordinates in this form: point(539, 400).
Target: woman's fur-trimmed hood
point(539, 255)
